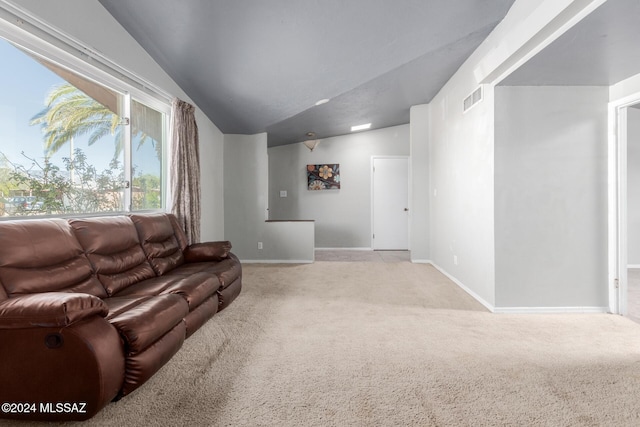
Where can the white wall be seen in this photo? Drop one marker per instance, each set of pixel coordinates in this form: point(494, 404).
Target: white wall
point(419, 216)
point(461, 161)
point(342, 217)
point(89, 22)
point(551, 197)
point(245, 193)
point(633, 186)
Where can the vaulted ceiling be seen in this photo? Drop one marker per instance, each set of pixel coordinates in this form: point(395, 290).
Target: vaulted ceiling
point(261, 66)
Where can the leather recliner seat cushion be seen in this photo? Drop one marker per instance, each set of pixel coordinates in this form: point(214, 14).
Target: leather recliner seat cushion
point(227, 270)
point(146, 322)
point(195, 288)
point(152, 330)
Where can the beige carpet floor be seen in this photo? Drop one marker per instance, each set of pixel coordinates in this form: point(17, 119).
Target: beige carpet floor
point(387, 344)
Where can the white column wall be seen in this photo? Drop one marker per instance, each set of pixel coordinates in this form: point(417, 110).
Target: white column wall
point(245, 193)
point(551, 197)
point(419, 237)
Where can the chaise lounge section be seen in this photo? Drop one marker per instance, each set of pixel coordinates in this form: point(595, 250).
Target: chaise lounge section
point(91, 308)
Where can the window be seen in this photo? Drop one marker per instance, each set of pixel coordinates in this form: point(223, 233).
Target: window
point(71, 145)
point(148, 133)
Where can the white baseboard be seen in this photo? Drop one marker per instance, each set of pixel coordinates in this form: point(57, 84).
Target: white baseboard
point(422, 261)
point(551, 310)
point(343, 249)
point(523, 310)
point(276, 261)
point(464, 288)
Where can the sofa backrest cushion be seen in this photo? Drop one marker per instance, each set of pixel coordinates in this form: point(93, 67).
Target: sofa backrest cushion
point(158, 241)
point(112, 246)
point(43, 255)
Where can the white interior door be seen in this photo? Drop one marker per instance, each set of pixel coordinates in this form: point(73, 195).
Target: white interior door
point(390, 203)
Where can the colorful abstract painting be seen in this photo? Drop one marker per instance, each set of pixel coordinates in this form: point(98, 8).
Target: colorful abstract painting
point(323, 177)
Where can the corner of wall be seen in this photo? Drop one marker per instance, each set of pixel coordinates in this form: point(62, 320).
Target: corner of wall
point(419, 182)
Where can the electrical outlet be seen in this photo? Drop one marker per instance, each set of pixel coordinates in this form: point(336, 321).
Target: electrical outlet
point(259, 245)
point(455, 260)
point(283, 193)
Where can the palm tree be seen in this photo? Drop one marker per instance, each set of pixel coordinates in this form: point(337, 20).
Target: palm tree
point(70, 113)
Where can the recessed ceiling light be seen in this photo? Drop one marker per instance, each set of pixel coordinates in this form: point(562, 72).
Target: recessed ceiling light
point(322, 101)
point(360, 127)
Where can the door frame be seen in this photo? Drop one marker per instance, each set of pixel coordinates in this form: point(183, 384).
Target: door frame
point(373, 158)
point(617, 201)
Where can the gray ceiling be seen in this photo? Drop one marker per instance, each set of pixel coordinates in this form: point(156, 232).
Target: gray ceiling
point(601, 50)
point(260, 66)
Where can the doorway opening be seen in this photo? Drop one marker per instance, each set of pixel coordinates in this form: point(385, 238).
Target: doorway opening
point(624, 207)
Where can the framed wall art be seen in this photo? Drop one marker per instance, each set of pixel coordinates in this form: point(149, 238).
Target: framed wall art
point(323, 177)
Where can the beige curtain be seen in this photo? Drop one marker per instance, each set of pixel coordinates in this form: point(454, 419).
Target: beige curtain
point(185, 169)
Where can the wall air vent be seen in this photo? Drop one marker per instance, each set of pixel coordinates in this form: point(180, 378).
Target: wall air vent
point(472, 99)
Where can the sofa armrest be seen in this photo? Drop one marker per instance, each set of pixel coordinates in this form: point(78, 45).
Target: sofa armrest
point(208, 251)
point(49, 309)
point(82, 364)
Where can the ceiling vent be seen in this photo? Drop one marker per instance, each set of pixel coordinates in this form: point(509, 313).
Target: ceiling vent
point(472, 99)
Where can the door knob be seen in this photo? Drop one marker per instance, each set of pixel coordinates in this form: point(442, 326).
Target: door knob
point(406, 209)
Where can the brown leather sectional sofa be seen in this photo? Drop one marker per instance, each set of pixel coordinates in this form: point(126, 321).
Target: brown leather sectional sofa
point(91, 308)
